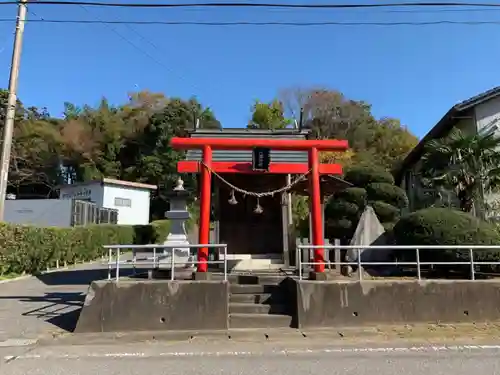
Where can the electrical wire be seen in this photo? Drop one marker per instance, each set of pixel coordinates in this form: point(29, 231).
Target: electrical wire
point(257, 5)
point(264, 23)
point(134, 45)
point(122, 37)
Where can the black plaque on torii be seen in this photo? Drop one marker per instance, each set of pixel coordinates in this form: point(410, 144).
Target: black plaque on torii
point(261, 159)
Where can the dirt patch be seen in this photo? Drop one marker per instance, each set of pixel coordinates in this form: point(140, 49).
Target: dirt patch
point(419, 333)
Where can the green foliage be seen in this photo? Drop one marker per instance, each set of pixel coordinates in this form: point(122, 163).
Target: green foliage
point(160, 231)
point(362, 176)
point(329, 114)
point(354, 195)
point(29, 249)
point(339, 228)
point(385, 212)
point(444, 226)
point(130, 141)
point(394, 195)
point(373, 186)
point(465, 164)
point(341, 207)
point(268, 116)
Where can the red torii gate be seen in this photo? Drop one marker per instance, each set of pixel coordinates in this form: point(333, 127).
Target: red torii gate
point(313, 147)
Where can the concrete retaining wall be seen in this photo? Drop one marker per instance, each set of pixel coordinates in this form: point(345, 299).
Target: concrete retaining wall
point(154, 306)
point(333, 304)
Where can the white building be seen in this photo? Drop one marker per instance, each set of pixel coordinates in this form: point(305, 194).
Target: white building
point(131, 199)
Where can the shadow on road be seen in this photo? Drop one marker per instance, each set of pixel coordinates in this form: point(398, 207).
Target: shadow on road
point(60, 307)
point(73, 277)
point(83, 276)
point(57, 308)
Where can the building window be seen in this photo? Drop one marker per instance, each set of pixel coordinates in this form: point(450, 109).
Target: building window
point(123, 202)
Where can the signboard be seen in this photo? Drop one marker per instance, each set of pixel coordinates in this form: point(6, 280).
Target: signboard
point(84, 193)
point(261, 158)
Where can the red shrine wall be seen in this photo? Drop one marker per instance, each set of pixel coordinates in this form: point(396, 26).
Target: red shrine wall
point(243, 230)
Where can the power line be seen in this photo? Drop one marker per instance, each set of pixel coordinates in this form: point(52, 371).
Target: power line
point(124, 38)
point(249, 23)
point(137, 47)
point(258, 5)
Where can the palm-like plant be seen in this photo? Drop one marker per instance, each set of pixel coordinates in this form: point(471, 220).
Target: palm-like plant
point(466, 164)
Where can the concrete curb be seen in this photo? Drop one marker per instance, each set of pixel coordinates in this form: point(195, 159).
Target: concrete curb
point(26, 277)
point(342, 335)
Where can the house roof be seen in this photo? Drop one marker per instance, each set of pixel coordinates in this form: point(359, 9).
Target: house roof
point(443, 127)
point(112, 181)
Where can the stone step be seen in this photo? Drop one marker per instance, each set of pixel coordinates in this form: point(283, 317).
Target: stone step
point(252, 279)
point(254, 289)
point(259, 321)
point(256, 308)
point(266, 298)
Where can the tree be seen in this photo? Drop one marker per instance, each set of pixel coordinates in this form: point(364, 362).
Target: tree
point(92, 139)
point(146, 155)
point(35, 148)
point(465, 164)
point(268, 116)
point(371, 186)
point(344, 158)
point(329, 114)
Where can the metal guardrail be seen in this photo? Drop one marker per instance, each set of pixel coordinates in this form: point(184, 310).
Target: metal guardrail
point(359, 263)
point(153, 261)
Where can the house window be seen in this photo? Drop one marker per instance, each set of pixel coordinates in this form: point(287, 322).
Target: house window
point(123, 202)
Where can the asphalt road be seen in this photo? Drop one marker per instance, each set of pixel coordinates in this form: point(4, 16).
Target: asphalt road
point(251, 359)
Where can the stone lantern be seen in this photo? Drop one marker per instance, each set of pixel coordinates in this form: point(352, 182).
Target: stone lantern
point(177, 237)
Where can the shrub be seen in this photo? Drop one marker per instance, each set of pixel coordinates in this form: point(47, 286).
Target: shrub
point(385, 211)
point(340, 228)
point(161, 229)
point(354, 195)
point(30, 249)
point(391, 194)
point(342, 207)
point(362, 176)
point(443, 226)
point(373, 186)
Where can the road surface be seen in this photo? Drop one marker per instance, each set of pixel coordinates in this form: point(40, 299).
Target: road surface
point(250, 359)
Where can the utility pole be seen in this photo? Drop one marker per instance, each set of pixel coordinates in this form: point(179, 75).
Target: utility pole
point(10, 112)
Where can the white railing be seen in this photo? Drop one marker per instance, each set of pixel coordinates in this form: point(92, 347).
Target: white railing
point(115, 259)
point(416, 248)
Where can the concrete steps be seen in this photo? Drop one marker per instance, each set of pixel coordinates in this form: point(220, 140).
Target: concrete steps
point(257, 308)
point(262, 303)
point(259, 321)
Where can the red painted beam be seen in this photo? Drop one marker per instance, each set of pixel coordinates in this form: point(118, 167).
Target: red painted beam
point(250, 143)
point(186, 166)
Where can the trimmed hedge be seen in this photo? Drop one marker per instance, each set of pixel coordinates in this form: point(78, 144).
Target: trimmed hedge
point(384, 192)
point(385, 212)
point(372, 186)
point(444, 226)
point(354, 195)
point(337, 228)
point(362, 176)
point(29, 249)
point(341, 207)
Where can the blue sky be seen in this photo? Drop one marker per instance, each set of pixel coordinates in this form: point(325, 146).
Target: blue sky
point(413, 73)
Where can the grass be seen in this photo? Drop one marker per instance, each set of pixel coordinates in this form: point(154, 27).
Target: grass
point(9, 276)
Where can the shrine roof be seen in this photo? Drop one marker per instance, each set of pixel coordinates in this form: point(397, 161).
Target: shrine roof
point(246, 155)
point(250, 133)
